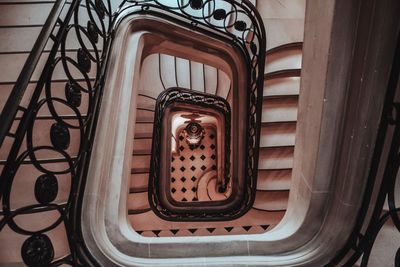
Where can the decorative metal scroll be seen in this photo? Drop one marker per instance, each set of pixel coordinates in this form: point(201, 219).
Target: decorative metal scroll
point(202, 100)
point(66, 160)
point(361, 242)
point(239, 23)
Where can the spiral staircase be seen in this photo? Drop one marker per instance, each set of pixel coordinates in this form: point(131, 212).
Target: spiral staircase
point(281, 90)
point(40, 191)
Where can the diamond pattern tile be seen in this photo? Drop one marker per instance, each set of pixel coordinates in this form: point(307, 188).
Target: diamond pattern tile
point(192, 164)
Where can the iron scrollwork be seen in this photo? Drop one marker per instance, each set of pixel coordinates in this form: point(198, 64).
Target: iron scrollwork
point(38, 250)
point(201, 100)
point(84, 72)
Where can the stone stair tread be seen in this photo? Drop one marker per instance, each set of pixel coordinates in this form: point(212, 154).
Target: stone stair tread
point(140, 170)
point(284, 59)
point(145, 120)
point(271, 200)
point(138, 201)
point(139, 180)
point(136, 190)
point(276, 158)
point(281, 97)
point(284, 47)
point(274, 179)
point(139, 211)
point(279, 109)
point(143, 127)
point(141, 152)
point(146, 102)
point(277, 134)
point(143, 135)
point(140, 161)
point(282, 74)
point(282, 86)
point(142, 144)
point(281, 100)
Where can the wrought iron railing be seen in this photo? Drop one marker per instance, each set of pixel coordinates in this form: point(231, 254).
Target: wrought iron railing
point(241, 25)
point(37, 250)
point(193, 210)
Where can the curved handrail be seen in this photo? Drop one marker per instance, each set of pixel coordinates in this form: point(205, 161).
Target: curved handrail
point(11, 107)
point(251, 45)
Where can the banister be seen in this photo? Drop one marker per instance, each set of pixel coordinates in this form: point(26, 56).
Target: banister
point(11, 107)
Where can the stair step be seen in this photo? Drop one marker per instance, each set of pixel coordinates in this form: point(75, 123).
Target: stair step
point(282, 86)
point(149, 75)
point(224, 84)
point(274, 179)
point(136, 190)
point(276, 158)
point(140, 161)
point(142, 144)
point(138, 201)
point(280, 109)
point(149, 92)
point(139, 211)
point(282, 74)
point(140, 171)
point(197, 76)
point(271, 200)
point(278, 134)
point(146, 102)
point(139, 180)
point(210, 76)
point(143, 128)
point(141, 152)
point(145, 113)
point(281, 97)
point(143, 135)
point(284, 47)
point(145, 120)
point(167, 70)
point(283, 59)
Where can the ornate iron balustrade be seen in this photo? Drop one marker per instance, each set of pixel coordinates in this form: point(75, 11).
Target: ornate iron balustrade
point(38, 250)
point(192, 210)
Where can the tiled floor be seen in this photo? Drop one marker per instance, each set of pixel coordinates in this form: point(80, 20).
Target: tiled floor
point(189, 165)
